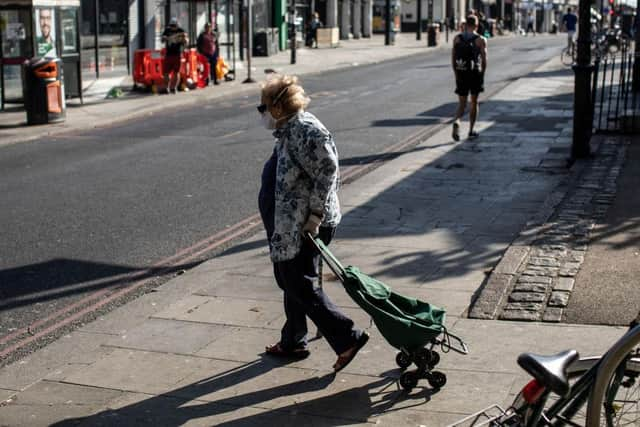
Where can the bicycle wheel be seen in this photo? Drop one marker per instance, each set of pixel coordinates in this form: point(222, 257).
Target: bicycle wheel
point(615, 396)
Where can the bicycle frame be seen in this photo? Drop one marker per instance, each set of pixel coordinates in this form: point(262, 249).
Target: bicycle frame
point(601, 379)
point(591, 388)
point(569, 404)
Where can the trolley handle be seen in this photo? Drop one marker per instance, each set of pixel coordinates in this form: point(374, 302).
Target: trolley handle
point(328, 257)
point(459, 347)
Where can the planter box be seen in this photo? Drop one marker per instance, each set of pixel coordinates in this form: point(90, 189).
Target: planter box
point(328, 37)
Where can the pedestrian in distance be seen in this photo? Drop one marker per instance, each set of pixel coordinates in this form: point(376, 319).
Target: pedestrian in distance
point(469, 62)
point(299, 196)
point(463, 23)
point(482, 24)
point(175, 39)
point(569, 23)
point(315, 24)
point(530, 24)
point(207, 45)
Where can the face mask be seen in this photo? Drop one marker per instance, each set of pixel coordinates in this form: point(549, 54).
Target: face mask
point(267, 120)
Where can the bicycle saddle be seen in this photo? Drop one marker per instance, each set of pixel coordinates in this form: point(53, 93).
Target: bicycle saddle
point(551, 371)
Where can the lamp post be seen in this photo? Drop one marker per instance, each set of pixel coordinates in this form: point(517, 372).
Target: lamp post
point(292, 31)
point(582, 106)
point(419, 19)
point(249, 42)
point(387, 22)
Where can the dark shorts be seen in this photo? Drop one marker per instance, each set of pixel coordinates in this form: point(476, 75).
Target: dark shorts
point(171, 64)
point(469, 83)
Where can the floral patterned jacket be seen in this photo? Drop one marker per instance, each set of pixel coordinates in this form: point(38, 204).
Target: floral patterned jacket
point(306, 181)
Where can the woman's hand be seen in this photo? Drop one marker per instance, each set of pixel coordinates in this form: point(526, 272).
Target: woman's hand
point(312, 225)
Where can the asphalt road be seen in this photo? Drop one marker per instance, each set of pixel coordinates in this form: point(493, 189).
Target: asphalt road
point(81, 211)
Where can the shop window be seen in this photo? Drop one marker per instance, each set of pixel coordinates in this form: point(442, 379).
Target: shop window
point(69, 29)
point(15, 26)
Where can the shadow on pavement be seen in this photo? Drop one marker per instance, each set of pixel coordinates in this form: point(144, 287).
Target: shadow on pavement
point(479, 194)
point(59, 278)
point(194, 401)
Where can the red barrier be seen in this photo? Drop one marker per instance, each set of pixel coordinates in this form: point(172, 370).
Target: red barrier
point(147, 68)
point(204, 70)
point(189, 69)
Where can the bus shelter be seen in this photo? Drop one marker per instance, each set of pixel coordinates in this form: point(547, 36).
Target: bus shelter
point(38, 28)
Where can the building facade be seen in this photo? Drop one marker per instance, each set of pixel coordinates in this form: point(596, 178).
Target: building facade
point(108, 32)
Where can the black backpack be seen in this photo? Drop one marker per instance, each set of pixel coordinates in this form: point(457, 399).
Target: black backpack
point(466, 54)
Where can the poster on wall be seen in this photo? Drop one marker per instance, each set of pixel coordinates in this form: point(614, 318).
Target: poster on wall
point(45, 30)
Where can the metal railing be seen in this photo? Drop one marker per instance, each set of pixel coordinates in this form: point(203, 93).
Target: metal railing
point(616, 106)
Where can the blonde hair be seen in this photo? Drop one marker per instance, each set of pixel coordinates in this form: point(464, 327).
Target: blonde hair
point(284, 92)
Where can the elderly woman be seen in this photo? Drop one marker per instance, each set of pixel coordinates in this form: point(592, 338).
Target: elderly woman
point(299, 196)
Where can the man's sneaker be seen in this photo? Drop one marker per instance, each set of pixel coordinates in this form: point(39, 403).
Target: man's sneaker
point(473, 135)
point(455, 134)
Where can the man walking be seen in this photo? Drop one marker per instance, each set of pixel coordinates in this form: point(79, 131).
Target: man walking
point(530, 24)
point(569, 22)
point(208, 46)
point(175, 38)
point(314, 26)
point(469, 62)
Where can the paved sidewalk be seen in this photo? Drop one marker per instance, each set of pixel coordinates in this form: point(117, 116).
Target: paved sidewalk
point(432, 223)
point(99, 112)
point(606, 288)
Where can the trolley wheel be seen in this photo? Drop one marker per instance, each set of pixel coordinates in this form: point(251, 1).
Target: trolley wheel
point(427, 358)
point(403, 360)
point(435, 358)
point(408, 380)
point(437, 379)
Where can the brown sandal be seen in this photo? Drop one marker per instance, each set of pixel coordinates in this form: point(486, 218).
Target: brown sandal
point(344, 360)
point(277, 351)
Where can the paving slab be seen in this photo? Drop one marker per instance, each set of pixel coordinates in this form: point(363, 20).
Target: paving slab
point(46, 403)
point(463, 280)
point(223, 311)
point(142, 368)
point(169, 336)
point(62, 356)
point(495, 345)
point(238, 285)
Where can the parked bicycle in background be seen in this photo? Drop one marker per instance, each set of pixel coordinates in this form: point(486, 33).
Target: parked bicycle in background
point(567, 390)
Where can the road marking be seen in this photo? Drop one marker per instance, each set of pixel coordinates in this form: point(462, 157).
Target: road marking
point(229, 135)
point(123, 291)
point(207, 243)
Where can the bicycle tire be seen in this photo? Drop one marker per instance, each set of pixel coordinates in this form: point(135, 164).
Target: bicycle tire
point(611, 400)
point(566, 58)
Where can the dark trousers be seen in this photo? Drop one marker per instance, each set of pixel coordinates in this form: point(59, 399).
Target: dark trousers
point(298, 278)
point(213, 60)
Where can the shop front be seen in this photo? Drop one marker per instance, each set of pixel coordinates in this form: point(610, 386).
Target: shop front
point(38, 28)
point(192, 15)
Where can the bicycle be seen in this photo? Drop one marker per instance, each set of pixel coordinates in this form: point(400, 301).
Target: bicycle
point(567, 390)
